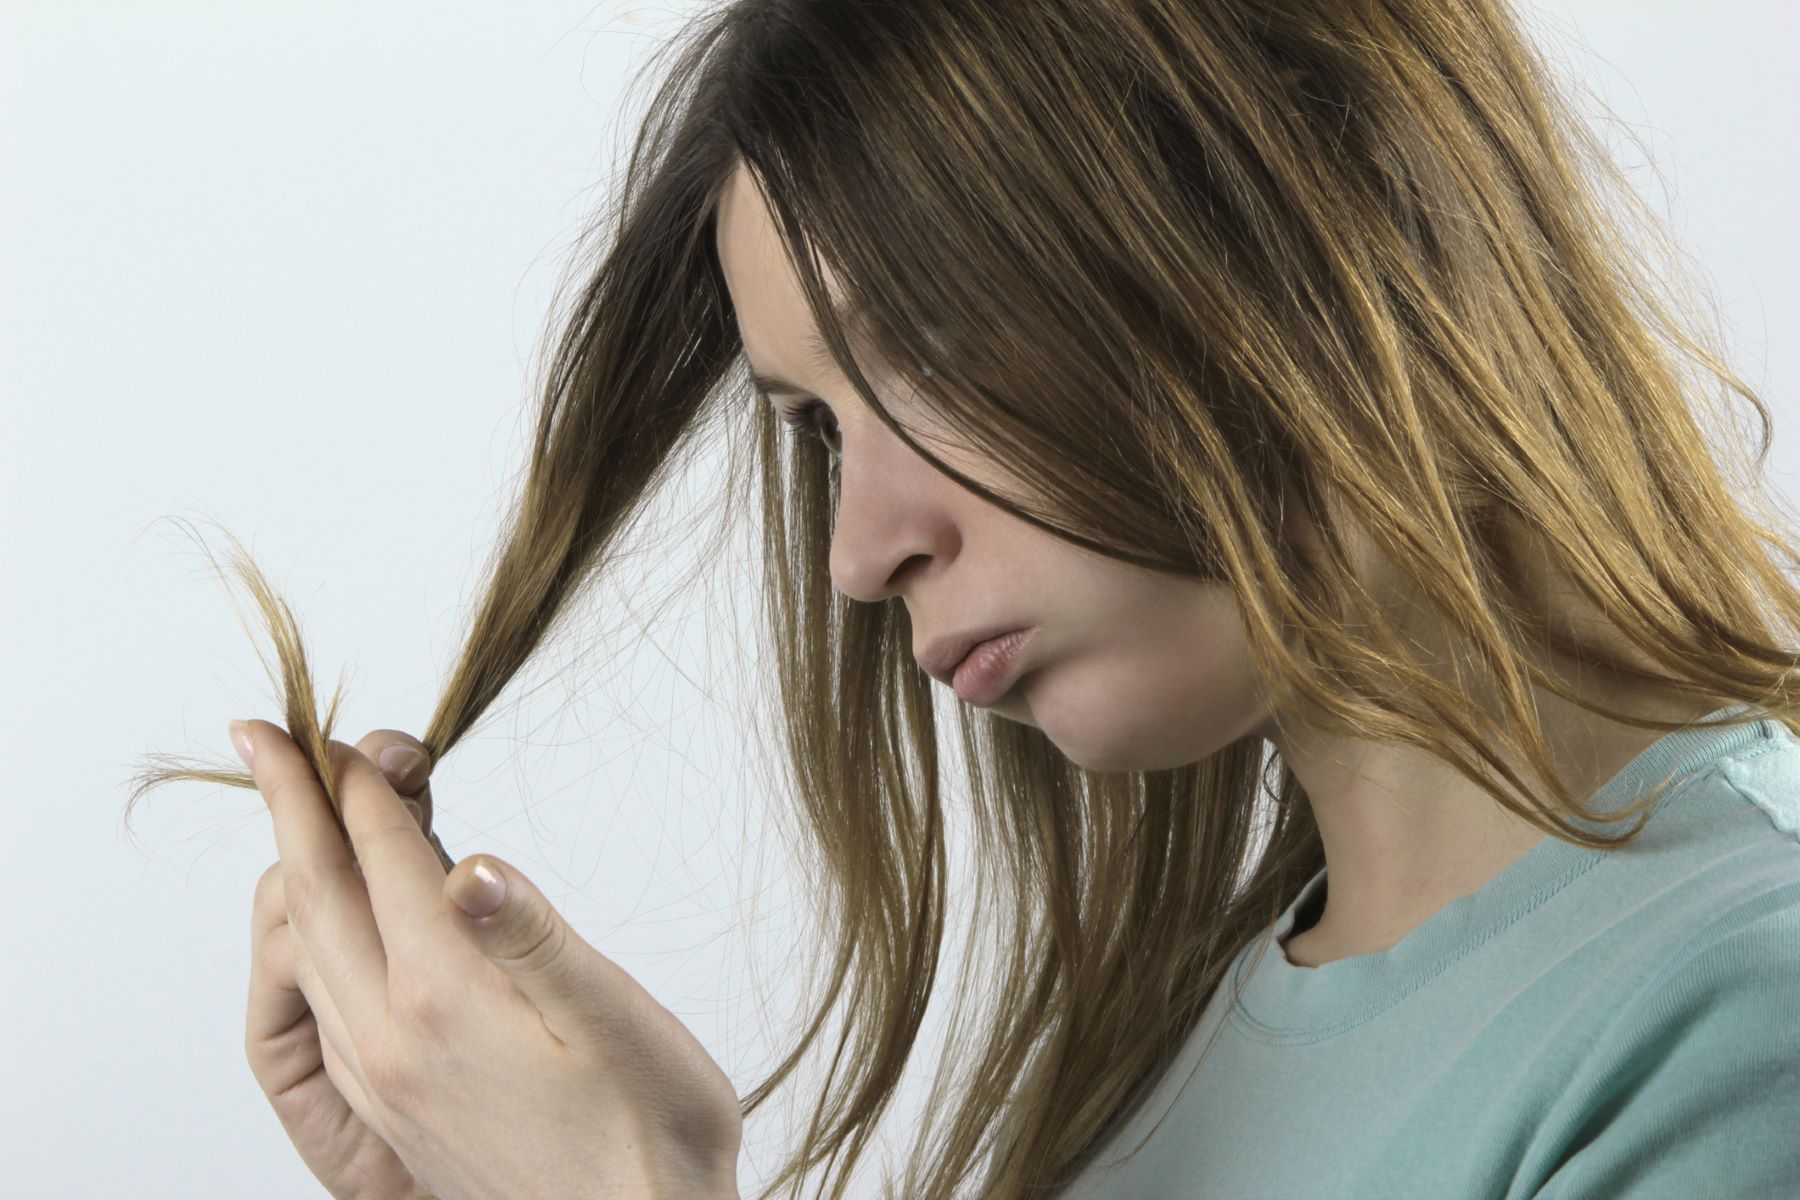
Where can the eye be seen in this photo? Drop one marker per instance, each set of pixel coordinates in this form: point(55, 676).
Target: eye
point(802, 422)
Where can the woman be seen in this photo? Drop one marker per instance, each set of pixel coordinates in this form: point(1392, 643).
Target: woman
point(1280, 373)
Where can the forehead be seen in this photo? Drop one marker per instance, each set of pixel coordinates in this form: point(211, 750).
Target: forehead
point(782, 342)
point(746, 229)
point(755, 260)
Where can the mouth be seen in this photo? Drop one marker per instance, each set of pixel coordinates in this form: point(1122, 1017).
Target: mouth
point(942, 655)
point(989, 666)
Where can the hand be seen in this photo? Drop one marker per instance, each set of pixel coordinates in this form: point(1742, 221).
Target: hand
point(289, 1061)
point(494, 1055)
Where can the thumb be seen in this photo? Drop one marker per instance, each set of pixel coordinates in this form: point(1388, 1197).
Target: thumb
point(516, 927)
point(481, 889)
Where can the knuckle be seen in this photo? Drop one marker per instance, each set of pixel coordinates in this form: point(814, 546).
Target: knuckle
point(280, 790)
point(263, 1065)
point(389, 1077)
point(394, 1071)
point(626, 1028)
point(422, 1011)
point(270, 892)
point(305, 978)
point(274, 957)
point(407, 1001)
point(302, 893)
point(550, 946)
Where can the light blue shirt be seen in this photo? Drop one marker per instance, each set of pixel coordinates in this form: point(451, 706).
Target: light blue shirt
point(1589, 1025)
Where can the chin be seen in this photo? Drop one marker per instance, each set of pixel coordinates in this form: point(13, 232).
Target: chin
point(1108, 741)
point(1101, 765)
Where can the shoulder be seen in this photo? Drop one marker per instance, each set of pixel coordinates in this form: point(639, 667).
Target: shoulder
point(1694, 1086)
point(1748, 954)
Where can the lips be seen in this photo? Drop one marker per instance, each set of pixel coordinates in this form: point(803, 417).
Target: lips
point(942, 656)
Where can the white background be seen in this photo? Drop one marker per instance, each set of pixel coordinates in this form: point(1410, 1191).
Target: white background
point(285, 267)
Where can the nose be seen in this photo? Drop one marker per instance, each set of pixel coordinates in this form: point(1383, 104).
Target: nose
point(896, 515)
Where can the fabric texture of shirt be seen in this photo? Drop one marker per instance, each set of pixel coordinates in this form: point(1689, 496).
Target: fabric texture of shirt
point(1589, 1025)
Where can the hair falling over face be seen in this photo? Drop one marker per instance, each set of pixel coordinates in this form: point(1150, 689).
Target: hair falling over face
point(1174, 259)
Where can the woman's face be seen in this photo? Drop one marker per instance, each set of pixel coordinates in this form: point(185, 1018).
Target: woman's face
point(1127, 669)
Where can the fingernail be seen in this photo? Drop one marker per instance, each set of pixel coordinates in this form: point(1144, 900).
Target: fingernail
point(397, 760)
point(482, 891)
point(240, 739)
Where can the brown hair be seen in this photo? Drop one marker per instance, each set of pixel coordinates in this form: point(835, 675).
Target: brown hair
point(1169, 259)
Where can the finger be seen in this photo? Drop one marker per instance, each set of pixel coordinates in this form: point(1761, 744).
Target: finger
point(518, 930)
point(400, 867)
point(335, 1049)
point(412, 783)
point(407, 775)
point(286, 1038)
point(349, 1084)
point(411, 780)
point(276, 1004)
point(449, 864)
point(402, 872)
point(328, 904)
point(278, 1001)
point(283, 968)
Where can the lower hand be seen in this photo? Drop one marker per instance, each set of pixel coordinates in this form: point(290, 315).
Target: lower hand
point(498, 1055)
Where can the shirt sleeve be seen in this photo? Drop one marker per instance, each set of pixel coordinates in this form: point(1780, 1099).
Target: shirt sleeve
point(1695, 1091)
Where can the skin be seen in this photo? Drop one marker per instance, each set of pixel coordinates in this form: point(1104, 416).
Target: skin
point(1132, 670)
point(415, 1040)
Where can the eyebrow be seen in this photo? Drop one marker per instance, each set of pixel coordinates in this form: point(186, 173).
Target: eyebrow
point(817, 354)
point(776, 385)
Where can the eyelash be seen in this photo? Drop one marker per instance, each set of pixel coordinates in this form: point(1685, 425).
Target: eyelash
point(800, 423)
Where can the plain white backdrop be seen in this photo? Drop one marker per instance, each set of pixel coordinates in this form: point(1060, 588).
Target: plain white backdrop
point(285, 267)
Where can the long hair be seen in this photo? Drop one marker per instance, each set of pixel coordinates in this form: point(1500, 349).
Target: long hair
point(1167, 260)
